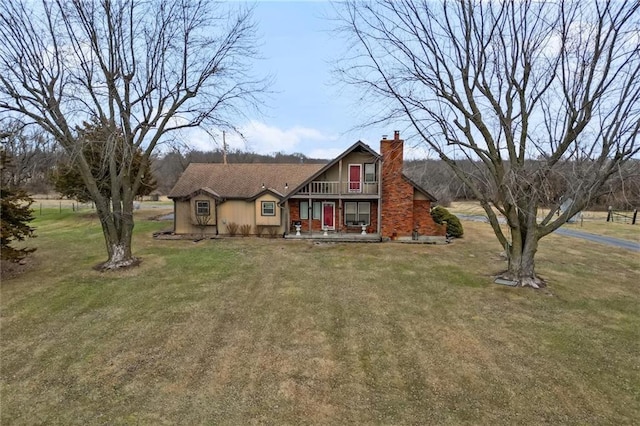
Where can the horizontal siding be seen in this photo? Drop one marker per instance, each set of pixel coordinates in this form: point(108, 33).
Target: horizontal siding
point(185, 218)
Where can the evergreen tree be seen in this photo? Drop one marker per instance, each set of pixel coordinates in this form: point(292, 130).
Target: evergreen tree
point(15, 214)
point(67, 178)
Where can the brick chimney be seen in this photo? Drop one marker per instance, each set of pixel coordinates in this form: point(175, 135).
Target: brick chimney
point(397, 193)
point(392, 154)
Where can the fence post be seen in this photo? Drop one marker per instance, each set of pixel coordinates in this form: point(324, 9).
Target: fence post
point(635, 216)
point(610, 214)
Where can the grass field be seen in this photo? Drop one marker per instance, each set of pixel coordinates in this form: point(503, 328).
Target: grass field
point(594, 222)
point(252, 331)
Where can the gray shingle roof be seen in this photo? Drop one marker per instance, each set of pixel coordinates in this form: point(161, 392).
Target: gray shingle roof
point(242, 180)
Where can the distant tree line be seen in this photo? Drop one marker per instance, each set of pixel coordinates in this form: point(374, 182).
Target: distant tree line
point(37, 163)
point(33, 155)
point(622, 192)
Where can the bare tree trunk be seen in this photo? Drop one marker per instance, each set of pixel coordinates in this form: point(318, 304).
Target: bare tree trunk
point(522, 261)
point(118, 244)
point(117, 228)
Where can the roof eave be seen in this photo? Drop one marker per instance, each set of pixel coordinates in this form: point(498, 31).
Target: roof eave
point(266, 191)
point(208, 191)
point(420, 188)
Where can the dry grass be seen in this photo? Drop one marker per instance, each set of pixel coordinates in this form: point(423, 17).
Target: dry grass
point(249, 331)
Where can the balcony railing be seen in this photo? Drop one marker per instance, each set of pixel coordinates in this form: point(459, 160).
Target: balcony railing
point(335, 188)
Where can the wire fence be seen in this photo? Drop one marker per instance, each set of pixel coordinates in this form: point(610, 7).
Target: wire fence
point(44, 206)
point(622, 216)
point(47, 206)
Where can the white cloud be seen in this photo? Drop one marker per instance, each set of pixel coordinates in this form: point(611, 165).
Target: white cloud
point(262, 138)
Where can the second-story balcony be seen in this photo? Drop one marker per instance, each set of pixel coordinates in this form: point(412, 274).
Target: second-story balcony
point(337, 188)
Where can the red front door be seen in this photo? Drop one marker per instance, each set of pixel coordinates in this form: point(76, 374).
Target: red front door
point(328, 215)
point(355, 171)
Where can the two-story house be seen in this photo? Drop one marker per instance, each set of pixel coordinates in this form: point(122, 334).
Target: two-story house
point(360, 192)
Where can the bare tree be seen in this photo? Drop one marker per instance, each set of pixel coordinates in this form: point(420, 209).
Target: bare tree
point(141, 69)
point(522, 88)
point(32, 153)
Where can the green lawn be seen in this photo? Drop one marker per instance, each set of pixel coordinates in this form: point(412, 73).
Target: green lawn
point(247, 331)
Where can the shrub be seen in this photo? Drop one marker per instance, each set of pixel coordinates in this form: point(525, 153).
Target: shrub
point(245, 230)
point(273, 231)
point(259, 230)
point(441, 215)
point(232, 228)
point(454, 227)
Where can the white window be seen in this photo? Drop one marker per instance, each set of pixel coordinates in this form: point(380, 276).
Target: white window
point(202, 208)
point(357, 213)
point(304, 210)
point(350, 213)
point(268, 208)
point(369, 172)
point(364, 213)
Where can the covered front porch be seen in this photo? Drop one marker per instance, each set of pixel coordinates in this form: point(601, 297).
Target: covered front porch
point(348, 218)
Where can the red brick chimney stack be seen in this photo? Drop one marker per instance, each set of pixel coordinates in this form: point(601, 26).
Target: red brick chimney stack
point(397, 194)
point(392, 155)
point(400, 213)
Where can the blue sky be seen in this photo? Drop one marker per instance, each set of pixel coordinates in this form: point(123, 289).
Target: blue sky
point(309, 111)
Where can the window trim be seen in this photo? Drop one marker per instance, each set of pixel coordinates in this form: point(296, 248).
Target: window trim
point(316, 210)
point(359, 205)
point(348, 206)
point(364, 179)
point(304, 211)
point(355, 186)
point(203, 202)
point(266, 203)
point(317, 216)
point(368, 210)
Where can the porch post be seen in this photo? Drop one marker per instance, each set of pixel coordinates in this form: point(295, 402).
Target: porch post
point(339, 177)
point(310, 213)
point(215, 212)
point(286, 217)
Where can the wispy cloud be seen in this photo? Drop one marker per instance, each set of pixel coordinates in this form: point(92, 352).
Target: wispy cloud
point(263, 138)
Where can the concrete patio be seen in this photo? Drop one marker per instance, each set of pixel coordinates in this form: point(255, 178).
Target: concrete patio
point(334, 236)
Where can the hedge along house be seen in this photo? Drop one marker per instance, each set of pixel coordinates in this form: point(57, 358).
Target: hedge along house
point(359, 194)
